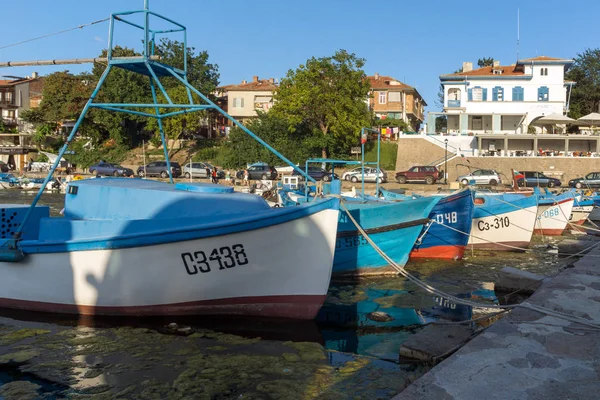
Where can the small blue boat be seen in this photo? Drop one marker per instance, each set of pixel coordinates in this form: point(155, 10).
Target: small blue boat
point(440, 241)
point(393, 226)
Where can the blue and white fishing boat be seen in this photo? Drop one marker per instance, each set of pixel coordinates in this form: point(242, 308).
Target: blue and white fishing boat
point(553, 213)
point(8, 181)
point(503, 221)
point(141, 247)
point(448, 235)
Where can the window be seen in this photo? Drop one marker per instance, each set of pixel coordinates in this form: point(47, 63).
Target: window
point(543, 93)
point(394, 96)
point(478, 94)
point(544, 71)
point(414, 169)
point(8, 97)
point(498, 93)
point(453, 94)
point(382, 97)
point(518, 93)
point(238, 102)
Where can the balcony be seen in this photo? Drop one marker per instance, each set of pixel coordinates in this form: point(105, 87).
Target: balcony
point(453, 103)
point(9, 122)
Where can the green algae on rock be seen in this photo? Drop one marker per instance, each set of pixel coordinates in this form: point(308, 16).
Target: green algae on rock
point(16, 336)
point(21, 390)
point(19, 357)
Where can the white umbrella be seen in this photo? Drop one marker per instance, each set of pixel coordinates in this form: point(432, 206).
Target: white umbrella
point(592, 119)
point(553, 119)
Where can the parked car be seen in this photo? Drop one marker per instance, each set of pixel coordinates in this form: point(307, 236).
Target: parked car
point(317, 173)
point(534, 178)
point(4, 167)
point(159, 168)
point(104, 168)
point(590, 180)
point(371, 175)
point(348, 174)
point(429, 174)
point(481, 177)
point(198, 170)
point(258, 171)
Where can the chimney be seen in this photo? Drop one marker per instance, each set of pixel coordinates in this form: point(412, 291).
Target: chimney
point(467, 66)
point(376, 75)
point(271, 80)
point(255, 78)
point(34, 75)
point(244, 82)
point(496, 63)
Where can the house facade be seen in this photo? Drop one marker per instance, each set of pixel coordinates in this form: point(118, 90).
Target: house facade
point(503, 99)
point(17, 95)
point(242, 101)
point(391, 99)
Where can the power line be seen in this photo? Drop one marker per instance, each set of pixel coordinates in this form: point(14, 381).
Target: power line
point(55, 33)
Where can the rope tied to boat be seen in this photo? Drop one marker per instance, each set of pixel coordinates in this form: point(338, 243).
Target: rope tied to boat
point(430, 289)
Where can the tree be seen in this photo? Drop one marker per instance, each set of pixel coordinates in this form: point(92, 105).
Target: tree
point(585, 95)
point(296, 144)
point(328, 96)
point(485, 62)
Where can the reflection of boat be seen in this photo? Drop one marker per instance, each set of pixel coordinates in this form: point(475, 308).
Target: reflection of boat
point(501, 220)
point(142, 247)
point(455, 211)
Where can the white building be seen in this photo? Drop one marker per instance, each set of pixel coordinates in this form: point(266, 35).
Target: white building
point(503, 99)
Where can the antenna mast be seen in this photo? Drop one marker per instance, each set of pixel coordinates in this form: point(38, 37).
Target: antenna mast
point(518, 32)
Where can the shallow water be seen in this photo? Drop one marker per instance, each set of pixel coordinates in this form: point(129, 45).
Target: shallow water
point(347, 352)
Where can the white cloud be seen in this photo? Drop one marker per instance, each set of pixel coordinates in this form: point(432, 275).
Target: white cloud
point(98, 39)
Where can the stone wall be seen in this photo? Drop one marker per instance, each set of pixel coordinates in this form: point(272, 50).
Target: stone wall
point(417, 151)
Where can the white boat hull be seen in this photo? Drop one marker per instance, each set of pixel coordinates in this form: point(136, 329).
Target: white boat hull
point(580, 214)
point(277, 271)
point(552, 219)
point(504, 231)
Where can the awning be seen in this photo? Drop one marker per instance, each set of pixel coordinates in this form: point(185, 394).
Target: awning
point(262, 99)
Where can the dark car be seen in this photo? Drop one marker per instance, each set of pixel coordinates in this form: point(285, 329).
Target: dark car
point(590, 180)
point(427, 173)
point(4, 167)
point(317, 173)
point(109, 169)
point(537, 179)
point(159, 168)
point(261, 171)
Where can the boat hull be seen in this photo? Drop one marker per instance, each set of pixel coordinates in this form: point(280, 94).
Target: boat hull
point(505, 226)
point(552, 218)
point(394, 227)
point(280, 270)
point(440, 241)
point(580, 214)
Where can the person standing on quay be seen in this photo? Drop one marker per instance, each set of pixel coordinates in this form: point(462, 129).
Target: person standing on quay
point(246, 176)
point(228, 178)
point(215, 178)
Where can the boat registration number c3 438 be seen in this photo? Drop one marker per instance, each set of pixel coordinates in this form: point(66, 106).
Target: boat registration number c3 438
point(496, 223)
point(223, 257)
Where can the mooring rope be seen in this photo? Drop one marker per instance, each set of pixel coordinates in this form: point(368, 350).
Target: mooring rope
point(430, 289)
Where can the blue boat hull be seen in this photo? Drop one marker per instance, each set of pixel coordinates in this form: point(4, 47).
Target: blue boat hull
point(394, 227)
point(455, 211)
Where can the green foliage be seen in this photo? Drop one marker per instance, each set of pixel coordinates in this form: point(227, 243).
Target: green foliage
point(296, 145)
point(485, 62)
point(388, 154)
point(585, 97)
point(41, 158)
point(531, 129)
point(441, 124)
point(384, 123)
point(86, 156)
point(327, 97)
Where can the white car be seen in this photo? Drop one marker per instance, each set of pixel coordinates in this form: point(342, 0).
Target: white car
point(371, 175)
point(346, 175)
point(481, 177)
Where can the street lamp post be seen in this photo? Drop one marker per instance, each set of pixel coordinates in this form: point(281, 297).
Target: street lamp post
point(446, 162)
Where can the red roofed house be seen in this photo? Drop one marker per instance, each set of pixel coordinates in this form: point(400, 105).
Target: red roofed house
point(16, 95)
point(392, 99)
point(504, 99)
point(241, 101)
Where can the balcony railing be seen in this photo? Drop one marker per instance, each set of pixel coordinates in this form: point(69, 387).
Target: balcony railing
point(9, 121)
point(453, 103)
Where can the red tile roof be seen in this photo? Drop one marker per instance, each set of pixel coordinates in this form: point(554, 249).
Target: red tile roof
point(542, 58)
point(385, 82)
point(259, 85)
point(506, 70)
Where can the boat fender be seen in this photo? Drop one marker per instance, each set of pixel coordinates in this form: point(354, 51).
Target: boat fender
point(276, 206)
point(11, 184)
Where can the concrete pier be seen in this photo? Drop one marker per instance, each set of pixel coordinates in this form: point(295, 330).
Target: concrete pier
point(529, 355)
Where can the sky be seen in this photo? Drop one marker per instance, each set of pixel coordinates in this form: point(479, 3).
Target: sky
point(412, 41)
